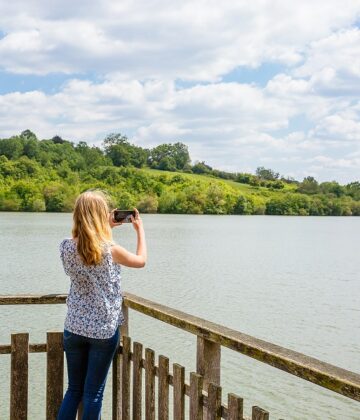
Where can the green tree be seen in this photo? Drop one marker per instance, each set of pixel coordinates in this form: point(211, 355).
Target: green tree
point(201, 168)
point(309, 186)
point(11, 148)
point(243, 205)
point(148, 204)
point(267, 174)
point(173, 155)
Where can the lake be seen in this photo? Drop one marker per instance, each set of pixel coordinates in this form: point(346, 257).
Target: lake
point(293, 281)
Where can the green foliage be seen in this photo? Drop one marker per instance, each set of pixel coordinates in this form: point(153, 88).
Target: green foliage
point(122, 153)
point(47, 175)
point(353, 189)
point(148, 204)
point(289, 204)
point(309, 186)
point(169, 157)
point(243, 205)
point(266, 174)
point(201, 168)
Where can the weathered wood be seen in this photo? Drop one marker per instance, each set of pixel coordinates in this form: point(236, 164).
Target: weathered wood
point(163, 393)
point(235, 407)
point(116, 386)
point(179, 391)
point(5, 348)
point(19, 376)
point(124, 328)
point(328, 376)
point(208, 356)
point(137, 381)
point(125, 411)
point(124, 331)
point(196, 404)
point(33, 348)
point(259, 414)
point(54, 373)
point(149, 384)
point(32, 299)
point(214, 402)
point(323, 374)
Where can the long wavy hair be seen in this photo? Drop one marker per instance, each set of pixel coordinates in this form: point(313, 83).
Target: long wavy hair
point(91, 225)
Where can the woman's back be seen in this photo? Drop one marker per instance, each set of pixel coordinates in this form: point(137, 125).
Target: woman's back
point(94, 300)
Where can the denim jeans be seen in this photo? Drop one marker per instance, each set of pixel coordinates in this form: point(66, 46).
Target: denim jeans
point(88, 363)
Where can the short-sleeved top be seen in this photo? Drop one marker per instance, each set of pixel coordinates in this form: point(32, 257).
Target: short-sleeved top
point(95, 298)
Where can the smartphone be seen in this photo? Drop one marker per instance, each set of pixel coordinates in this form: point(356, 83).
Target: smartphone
point(123, 215)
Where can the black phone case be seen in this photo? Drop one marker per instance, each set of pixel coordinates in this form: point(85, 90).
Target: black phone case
point(123, 216)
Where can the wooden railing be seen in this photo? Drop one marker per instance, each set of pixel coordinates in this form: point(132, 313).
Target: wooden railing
point(203, 389)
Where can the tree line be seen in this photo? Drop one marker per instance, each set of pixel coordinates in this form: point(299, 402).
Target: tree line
point(47, 175)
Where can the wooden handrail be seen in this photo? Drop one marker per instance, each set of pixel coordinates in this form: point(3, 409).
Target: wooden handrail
point(328, 376)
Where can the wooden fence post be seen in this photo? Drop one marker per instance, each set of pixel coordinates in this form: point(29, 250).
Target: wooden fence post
point(163, 389)
point(54, 373)
point(196, 403)
point(149, 384)
point(235, 407)
point(179, 391)
point(117, 368)
point(137, 381)
point(259, 414)
point(125, 379)
point(208, 356)
point(19, 376)
point(116, 384)
point(214, 402)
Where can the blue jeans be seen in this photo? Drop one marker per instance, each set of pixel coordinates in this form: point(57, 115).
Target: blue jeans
point(88, 363)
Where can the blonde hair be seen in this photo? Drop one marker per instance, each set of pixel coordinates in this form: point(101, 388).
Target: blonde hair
point(91, 225)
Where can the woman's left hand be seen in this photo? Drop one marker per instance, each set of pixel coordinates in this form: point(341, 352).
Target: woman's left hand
point(112, 221)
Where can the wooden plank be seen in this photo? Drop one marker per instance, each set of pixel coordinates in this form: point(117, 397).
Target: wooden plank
point(124, 332)
point(179, 391)
point(163, 394)
point(235, 407)
point(33, 348)
point(323, 374)
point(32, 299)
point(214, 402)
point(196, 404)
point(116, 386)
point(259, 414)
point(149, 384)
point(5, 348)
point(124, 328)
point(137, 381)
point(19, 376)
point(54, 373)
point(125, 411)
point(208, 355)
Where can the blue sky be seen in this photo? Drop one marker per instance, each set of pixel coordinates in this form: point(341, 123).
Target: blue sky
point(242, 84)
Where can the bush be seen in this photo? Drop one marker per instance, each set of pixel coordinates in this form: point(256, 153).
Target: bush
point(10, 202)
point(148, 204)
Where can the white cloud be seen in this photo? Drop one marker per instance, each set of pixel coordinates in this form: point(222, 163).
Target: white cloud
point(140, 50)
point(156, 39)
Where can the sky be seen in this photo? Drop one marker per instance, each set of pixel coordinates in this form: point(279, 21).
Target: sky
point(243, 84)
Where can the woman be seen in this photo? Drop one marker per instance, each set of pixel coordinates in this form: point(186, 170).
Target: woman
point(91, 335)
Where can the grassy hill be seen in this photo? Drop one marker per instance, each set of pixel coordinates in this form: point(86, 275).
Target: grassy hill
point(48, 175)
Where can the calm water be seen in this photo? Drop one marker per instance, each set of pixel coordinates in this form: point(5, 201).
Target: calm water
point(293, 281)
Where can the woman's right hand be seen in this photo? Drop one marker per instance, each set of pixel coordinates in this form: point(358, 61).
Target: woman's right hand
point(136, 221)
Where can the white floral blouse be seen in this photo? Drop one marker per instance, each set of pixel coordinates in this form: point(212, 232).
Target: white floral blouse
point(95, 298)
